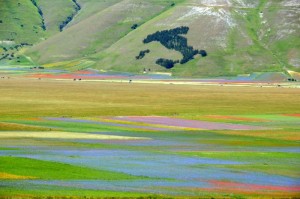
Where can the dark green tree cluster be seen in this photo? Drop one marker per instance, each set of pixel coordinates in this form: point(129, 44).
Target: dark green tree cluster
point(64, 23)
point(9, 56)
point(40, 13)
point(77, 5)
point(167, 63)
point(16, 47)
point(142, 54)
point(203, 53)
point(4, 56)
point(173, 39)
point(9, 52)
point(134, 26)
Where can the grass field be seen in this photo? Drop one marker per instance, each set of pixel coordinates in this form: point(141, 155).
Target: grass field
point(64, 138)
point(39, 98)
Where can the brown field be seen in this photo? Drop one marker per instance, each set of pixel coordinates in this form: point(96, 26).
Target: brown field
point(26, 98)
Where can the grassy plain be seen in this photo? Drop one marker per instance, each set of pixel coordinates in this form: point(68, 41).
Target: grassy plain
point(25, 98)
point(50, 161)
point(52, 170)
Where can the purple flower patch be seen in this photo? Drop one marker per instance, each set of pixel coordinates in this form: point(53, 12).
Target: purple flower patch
point(167, 121)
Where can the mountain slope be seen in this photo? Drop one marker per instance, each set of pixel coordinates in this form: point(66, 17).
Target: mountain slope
point(91, 7)
point(54, 13)
point(238, 36)
point(20, 22)
point(98, 31)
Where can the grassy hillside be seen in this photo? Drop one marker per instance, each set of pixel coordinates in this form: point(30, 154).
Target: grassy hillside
point(25, 23)
point(235, 36)
point(20, 22)
point(240, 36)
point(54, 13)
point(282, 31)
point(98, 31)
point(91, 7)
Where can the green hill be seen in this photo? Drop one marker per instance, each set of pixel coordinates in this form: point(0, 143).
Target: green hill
point(20, 22)
point(239, 36)
point(97, 31)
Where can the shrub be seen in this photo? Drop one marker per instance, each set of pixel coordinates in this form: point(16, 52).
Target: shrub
point(134, 26)
point(142, 54)
point(167, 63)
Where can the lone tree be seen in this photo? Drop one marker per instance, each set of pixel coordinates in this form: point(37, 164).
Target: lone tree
point(134, 26)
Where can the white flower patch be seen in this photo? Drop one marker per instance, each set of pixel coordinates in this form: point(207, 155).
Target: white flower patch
point(7, 42)
point(220, 13)
point(229, 3)
point(295, 62)
point(245, 4)
point(216, 2)
point(284, 33)
point(291, 3)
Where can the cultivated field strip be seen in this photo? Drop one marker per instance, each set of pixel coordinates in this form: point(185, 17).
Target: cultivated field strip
point(151, 155)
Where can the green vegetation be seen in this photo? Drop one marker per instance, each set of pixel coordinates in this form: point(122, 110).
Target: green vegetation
point(40, 13)
point(21, 22)
point(116, 21)
point(53, 170)
point(142, 54)
point(62, 10)
point(64, 23)
point(172, 39)
point(73, 126)
point(245, 47)
point(58, 192)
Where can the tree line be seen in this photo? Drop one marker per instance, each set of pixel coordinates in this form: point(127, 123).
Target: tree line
point(40, 13)
point(64, 23)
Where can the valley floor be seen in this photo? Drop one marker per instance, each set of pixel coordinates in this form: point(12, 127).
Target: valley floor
point(64, 138)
